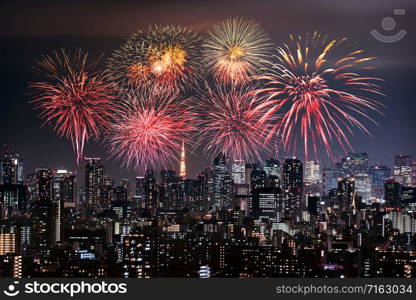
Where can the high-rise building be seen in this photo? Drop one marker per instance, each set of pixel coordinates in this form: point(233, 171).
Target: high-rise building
point(94, 182)
point(7, 243)
point(292, 185)
point(363, 186)
point(238, 172)
point(202, 193)
point(151, 202)
point(11, 169)
point(331, 177)
point(171, 190)
point(355, 163)
point(62, 191)
point(346, 193)
point(42, 207)
point(312, 172)
point(392, 193)
point(13, 200)
point(378, 175)
point(219, 172)
point(267, 203)
point(272, 167)
point(403, 169)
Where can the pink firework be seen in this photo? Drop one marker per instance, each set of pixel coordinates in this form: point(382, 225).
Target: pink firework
point(320, 92)
point(73, 97)
point(149, 129)
point(231, 123)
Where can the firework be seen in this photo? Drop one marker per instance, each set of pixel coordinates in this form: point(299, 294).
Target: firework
point(73, 97)
point(236, 49)
point(230, 123)
point(320, 92)
point(149, 129)
point(165, 57)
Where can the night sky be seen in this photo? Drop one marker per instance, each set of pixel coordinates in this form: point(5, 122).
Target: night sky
point(30, 29)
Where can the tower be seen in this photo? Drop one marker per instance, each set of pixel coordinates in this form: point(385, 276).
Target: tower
point(182, 166)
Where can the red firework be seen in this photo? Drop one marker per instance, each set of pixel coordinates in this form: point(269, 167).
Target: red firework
point(76, 99)
point(319, 93)
point(149, 129)
point(231, 123)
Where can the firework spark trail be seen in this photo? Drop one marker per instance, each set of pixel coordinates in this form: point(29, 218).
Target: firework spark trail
point(319, 93)
point(149, 129)
point(230, 123)
point(236, 49)
point(73, 96)
point(164, 57)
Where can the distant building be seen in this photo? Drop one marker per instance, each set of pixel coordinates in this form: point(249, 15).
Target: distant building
point(94, 182)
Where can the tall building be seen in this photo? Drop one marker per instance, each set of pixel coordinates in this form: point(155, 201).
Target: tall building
point(202, 196)
point(267, 203)
point(11, 169)
point(151, 202)
point(346, 193)
point(171, 192)
point(312, 172)
point(238, 172)
point(403, 169)
point(219, 172)
point(7, 243)
point(272, 167)
point(330, 178)
point(62, 191)
point(13, 200)
point(378, 175)
point(292, 185)
point(355, 163)
point(42, 207)
point(363, 186)
point(392, 193)
point(94, 182)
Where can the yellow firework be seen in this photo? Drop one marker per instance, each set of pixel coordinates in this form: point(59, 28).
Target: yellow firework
point(236, 49)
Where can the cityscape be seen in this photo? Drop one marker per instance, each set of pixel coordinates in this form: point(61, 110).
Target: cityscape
point(206, 140)
point(281, 218)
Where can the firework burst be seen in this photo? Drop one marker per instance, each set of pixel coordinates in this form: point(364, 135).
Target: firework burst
point(236, 49)
point(319, 92)
point(149, 129)
point(164, 57)
point(73, 97)
point(230, 123)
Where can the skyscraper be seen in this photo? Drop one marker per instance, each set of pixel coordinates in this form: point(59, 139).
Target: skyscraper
point(355, 163)
point(11, 169)
point(392, 193)
point(94, 182)
point(346, 193)
point(378, 175)
point(402, 171)
point(312, 172)
point(238, 172)
point(330, 178)
point(267, 203)
point(219, 172)
point(62, 191)
point(272, 167)
point(292, 185)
